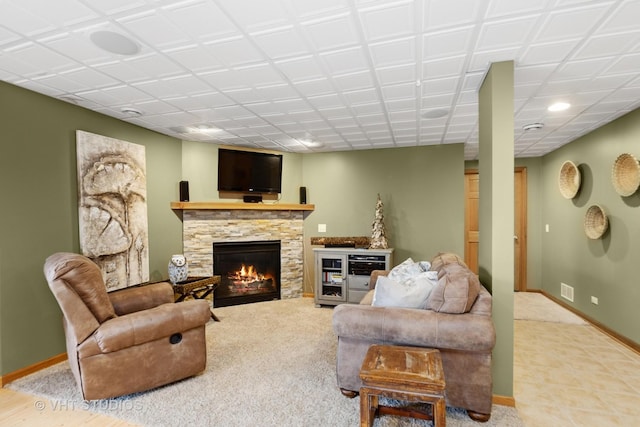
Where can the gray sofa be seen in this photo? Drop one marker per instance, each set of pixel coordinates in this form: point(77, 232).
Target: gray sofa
point(465, 335)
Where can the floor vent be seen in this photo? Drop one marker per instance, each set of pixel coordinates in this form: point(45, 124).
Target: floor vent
point(566, 291)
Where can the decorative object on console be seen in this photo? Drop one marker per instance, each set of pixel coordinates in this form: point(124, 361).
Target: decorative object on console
point(378, 234)
point(178, 268)
point(626, 174)
point(595, 222)
point(342, 242)
point(112, 208)
point(569, 180)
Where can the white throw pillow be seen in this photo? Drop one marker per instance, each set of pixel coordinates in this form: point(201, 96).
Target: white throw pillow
point(411, 293)
point(404, 271)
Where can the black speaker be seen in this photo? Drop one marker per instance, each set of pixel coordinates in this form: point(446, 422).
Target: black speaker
point(303, 195)
point(184, 191)
point(252, 198)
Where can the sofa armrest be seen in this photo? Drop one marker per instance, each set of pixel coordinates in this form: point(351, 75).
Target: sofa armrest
point(415, 327)
point(149, 325)
point(374, 277)
point(140, 298)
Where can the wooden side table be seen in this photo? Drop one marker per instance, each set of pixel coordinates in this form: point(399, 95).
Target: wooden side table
point(409, 374)
point(197, 288)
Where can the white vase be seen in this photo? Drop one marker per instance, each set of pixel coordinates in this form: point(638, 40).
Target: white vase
point(177, 268)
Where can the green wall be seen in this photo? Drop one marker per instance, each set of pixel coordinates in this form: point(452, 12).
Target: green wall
point(606, 268)
point(421, 188)
point(39, 214)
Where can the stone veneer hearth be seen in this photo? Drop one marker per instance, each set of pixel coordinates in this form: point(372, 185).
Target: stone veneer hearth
point(200, 228)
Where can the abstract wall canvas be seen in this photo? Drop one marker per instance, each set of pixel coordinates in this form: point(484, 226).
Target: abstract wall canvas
point(112, 205)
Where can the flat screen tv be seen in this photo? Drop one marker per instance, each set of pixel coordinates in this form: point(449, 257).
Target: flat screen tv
point(249, 172)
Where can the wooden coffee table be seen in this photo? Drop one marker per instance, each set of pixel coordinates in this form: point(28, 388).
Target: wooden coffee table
point(408, 374)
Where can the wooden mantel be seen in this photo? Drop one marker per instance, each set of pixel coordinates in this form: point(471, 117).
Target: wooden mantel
point(240, 206)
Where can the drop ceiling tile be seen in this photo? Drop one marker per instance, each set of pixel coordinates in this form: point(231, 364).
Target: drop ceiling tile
point(366, 109)
point(391, 21)
point(445, 13)
point(330, 34)
point(155, 107)
point(78, 46)
point(395, 52)
point(505, 33)
point(38, 87)
point(315, 8)
point(570, 23)
point(447, 43)
point(607, 45)
point(581, 68)
point(63, 83)
point(115, 6)
point(345, 61)
point(284, 43)
point(21, 20)
point(625, 64)
point(401, 104)
point(502, 8)
point(406, 90)
point(202, 20)
point(370, 119)
point(326, 101)
point(402, 116)
point(255, 16)
point(300, 69)
point(353, 81)
point(314, 87)
point(194, 58)
point(155, 66)
point(547, 53)
point(44, 59)
point(440, 86)
point(437, 101)
point(277, 92)
point(623, 18)
point(444, 67)
point(397, 74)
point(364, 96)
point(245, 96)
point(155, 30)
point(235, 52)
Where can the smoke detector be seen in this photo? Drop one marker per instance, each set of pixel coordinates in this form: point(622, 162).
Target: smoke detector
point(532, 126)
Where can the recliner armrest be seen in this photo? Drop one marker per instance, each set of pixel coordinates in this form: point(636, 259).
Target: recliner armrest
point(149, 325)
point(414, 327)
point(140, 298)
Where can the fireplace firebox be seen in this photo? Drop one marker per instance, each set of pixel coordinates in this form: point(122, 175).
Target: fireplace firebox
point(249, 271)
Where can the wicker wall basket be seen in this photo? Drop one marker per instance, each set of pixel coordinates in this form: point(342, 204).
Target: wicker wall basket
point(595, 222)
point(626, 174)
point(569, 180)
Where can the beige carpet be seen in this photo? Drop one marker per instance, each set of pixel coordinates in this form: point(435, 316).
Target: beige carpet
point(269, 364)
point(536, 306)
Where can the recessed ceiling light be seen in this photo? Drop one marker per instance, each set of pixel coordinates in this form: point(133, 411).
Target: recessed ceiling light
point(114, 42)
point(533, 126)
point(311, 143)
point(203, 128)
point(130, 111)
point(559, 106)
point(435, 113)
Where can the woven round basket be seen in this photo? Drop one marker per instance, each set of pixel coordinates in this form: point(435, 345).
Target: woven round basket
point(595, 222)
point(569, 180)
point(626, 174)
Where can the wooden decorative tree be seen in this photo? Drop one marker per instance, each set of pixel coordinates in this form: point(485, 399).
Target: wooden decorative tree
point(378, 234)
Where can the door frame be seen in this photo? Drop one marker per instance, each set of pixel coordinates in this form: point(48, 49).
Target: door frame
point(520, 187)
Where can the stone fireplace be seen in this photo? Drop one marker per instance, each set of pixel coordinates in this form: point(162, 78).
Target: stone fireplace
point(203, 226)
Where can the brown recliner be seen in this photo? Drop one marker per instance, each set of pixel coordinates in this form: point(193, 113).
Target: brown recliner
point(126, 341)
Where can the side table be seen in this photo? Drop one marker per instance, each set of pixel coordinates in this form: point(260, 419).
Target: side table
point(403, 373)
point(197, 288)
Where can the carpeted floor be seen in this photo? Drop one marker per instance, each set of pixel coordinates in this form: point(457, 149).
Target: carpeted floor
point(269, 364)
point(536, 306)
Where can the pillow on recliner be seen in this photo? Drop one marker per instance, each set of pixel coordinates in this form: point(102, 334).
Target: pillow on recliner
point(456, 291)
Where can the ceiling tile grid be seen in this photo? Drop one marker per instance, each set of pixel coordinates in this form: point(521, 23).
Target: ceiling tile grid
point(345, 74)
